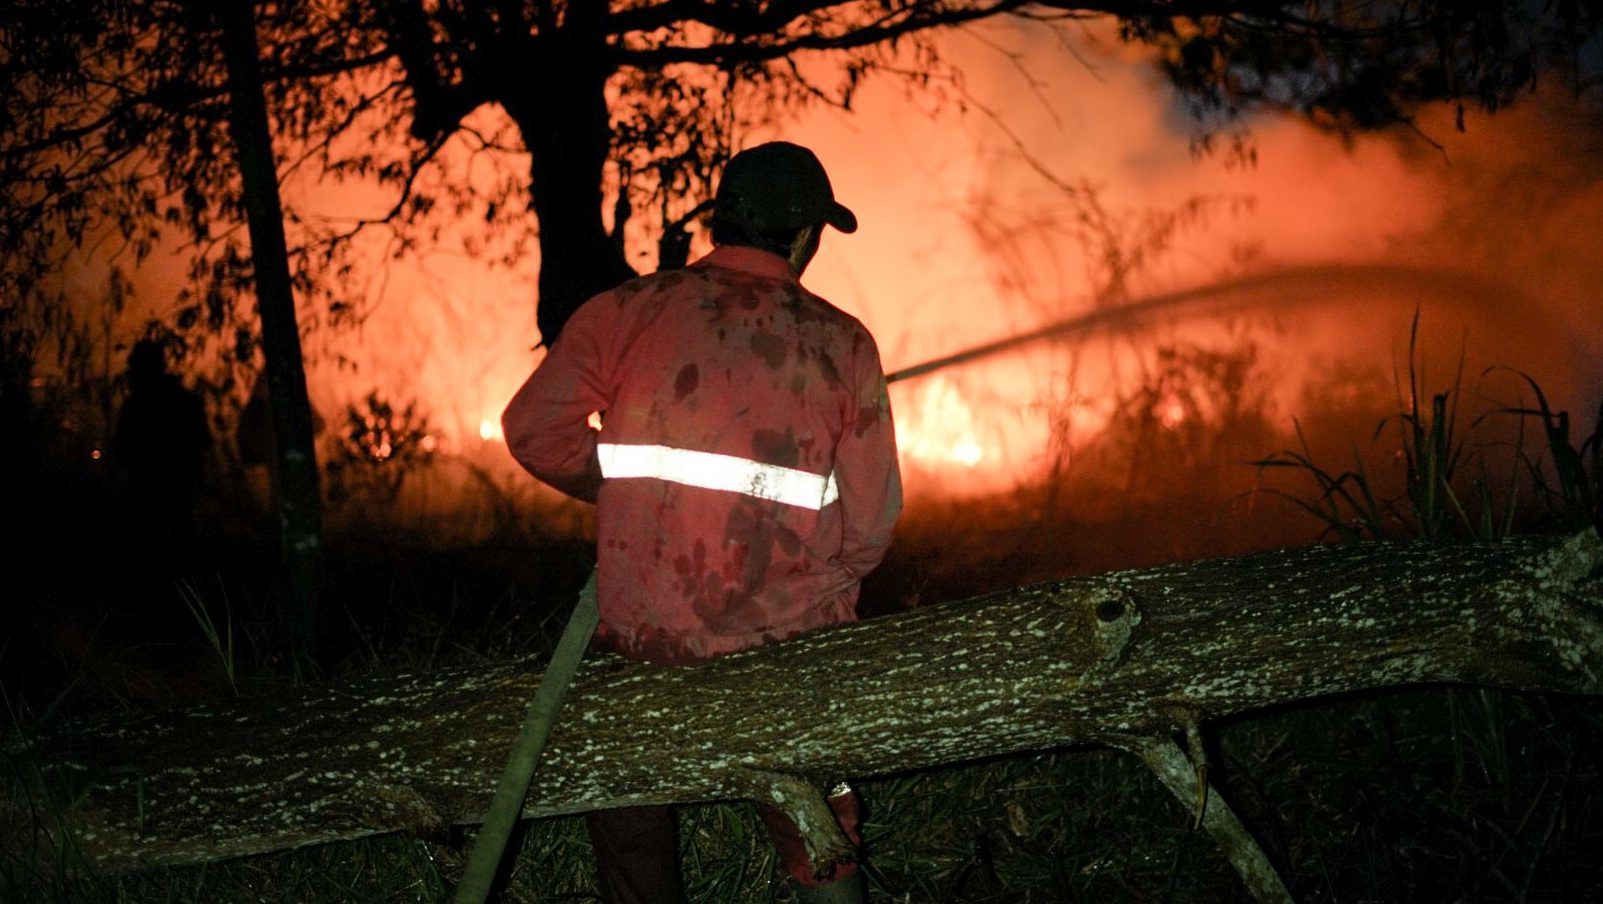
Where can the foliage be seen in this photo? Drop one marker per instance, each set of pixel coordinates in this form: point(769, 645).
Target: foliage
point(220, 639)
point(113, 112)
point(1574, 492)
point(1344, 68)
point(1435, 455)
point(379, 444)
point(1193, 408)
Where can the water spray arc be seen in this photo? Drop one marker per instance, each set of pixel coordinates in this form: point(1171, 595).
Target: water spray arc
point(1281, 288)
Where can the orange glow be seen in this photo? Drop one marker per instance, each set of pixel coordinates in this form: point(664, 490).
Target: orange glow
point(95, 454)
point(967, 454)
point(940, 427)
point(1172, 413)
point(490, 430)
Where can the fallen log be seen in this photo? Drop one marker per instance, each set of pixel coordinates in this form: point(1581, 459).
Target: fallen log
point(1135, 660)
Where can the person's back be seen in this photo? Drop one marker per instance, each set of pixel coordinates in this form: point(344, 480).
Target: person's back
point(745, 471)
point(748, 441)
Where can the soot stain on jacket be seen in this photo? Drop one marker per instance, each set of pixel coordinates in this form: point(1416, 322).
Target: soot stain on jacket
point(776, 447)
point(686, 382)
point(769, 347)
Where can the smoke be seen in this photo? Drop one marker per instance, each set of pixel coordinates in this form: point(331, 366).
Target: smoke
point(1070, 183)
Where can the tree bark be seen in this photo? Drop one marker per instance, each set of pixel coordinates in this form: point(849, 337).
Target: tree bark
point(299, 500)
point(1127, 659)
point(568, 132)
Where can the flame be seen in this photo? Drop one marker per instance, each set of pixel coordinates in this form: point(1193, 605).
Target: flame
point(1171, 414)
point(940, 427)
point(490, 430)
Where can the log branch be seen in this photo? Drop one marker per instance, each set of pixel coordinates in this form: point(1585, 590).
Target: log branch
point(805, 805)
point(1183, 776)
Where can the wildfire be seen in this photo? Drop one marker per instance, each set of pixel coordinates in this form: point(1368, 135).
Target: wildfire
point(1172, 414)
point(939, 427)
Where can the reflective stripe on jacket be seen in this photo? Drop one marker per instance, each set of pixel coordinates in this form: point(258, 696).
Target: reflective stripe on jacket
point(745, 475)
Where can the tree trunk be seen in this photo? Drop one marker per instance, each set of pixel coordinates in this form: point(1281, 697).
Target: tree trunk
point(299, 502)
point(568, 132)
point(1130, 659)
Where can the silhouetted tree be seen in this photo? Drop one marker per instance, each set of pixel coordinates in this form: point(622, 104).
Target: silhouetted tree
point(112, 111)
point(299, 500)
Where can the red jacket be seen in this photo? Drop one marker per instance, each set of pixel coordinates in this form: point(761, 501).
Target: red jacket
point(746, 476)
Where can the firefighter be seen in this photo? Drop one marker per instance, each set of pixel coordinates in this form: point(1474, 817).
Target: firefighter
point(745, 472)
point(162, 439)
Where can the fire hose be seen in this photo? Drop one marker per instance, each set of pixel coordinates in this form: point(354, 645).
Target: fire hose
point(507, 803)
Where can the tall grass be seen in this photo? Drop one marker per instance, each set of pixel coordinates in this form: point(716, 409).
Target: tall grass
point(220, 640)
point(1442, 468)
point(1573, 493)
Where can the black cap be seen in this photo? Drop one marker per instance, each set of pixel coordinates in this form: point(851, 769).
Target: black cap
point(779, 185)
